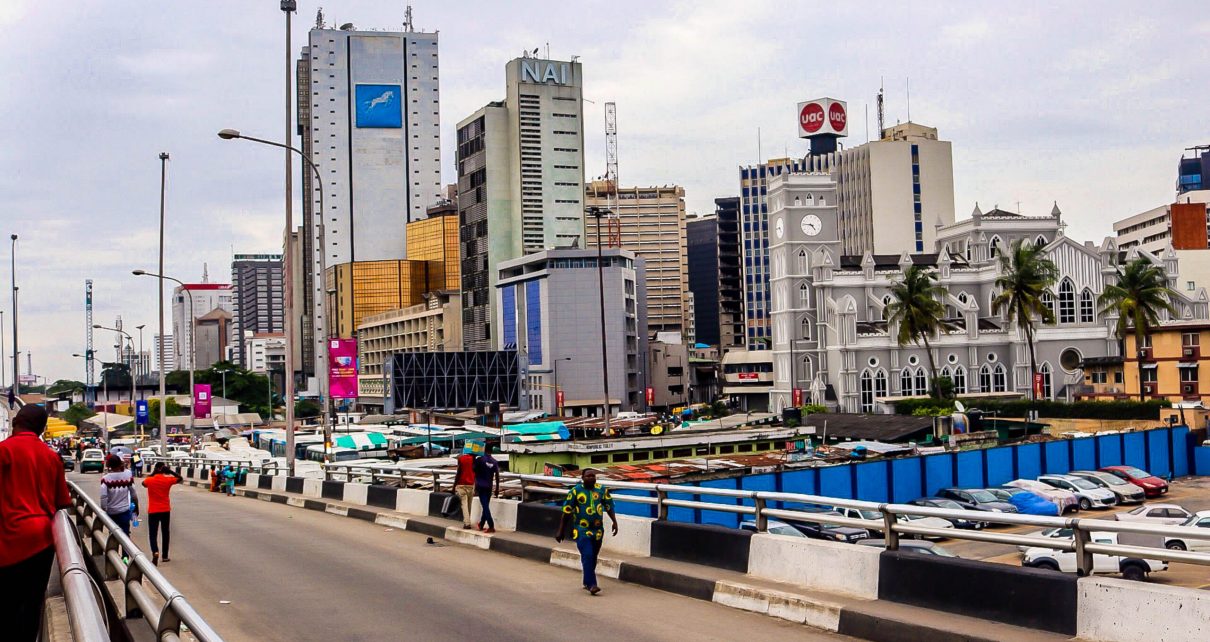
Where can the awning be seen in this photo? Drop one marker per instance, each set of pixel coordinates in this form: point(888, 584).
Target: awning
point(1187, 364)
point(438, 437)
point(108, 420)
point(747, 390)
point(361, 441)
point(1149, 366)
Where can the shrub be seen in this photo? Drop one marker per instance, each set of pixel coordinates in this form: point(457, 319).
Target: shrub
point(1053, 409)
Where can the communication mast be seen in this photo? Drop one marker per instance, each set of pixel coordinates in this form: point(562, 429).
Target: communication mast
point(89, 380)
point(611, 173)
point(881, 115)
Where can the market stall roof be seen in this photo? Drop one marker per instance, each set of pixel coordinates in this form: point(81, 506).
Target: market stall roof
point(361, 441)
point(440, 437)
point(886, 428)
point(108, 420)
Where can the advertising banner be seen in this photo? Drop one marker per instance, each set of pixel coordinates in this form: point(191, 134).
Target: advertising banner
point(650, 396)
point(559, 401)
point(141, 412)
point(201, 401)
point(1038, 385)
point(342, 368)
point(797, 396)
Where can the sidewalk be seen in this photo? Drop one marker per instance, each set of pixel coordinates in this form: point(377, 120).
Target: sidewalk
point(866, 619)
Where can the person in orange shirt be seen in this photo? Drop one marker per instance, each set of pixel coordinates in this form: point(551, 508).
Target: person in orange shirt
point(159, 507)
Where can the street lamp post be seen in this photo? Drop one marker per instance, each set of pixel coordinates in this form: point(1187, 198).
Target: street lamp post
point(98, 326)
point(2, 358)
point(288, 278)
point(142, 370)
point(15, 389)
point(192, 356)
point(599, 213)
point(558, 408)
point(224, 375)
point(160, 282)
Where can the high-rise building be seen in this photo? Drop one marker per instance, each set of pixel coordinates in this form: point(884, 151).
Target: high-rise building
point(1193, 172)
point(652, 224)
point(730, 276)
point(165, 361)
point(265, 351)
point(368, 115)
point(435, 240)
point(520, 181)
point(207, 297)
point(755, 238)
point(258, 299)
point(1182, 225)
point(701, 237)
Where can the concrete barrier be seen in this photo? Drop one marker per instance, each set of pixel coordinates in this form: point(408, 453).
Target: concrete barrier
point(707, 545)
point(356, 493)
point(816, 564)
point(312, 487)
point(332, 490)
point(1116, 610)
point(252, 481)
point(504, 513)
point(412, 501)
point(277, 483)
point(633, 538)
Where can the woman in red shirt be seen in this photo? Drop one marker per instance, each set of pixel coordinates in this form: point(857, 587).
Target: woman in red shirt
point(159, 507)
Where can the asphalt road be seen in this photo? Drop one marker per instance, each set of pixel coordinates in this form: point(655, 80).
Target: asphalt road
point(294, 574)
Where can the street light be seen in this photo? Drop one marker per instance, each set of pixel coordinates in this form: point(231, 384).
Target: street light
point(15, 388)
point(599, 213)
point(192, 357)
point(288, 275)
point(140, 356)
point(224, 374)
point(160, 319)
point(97, 326)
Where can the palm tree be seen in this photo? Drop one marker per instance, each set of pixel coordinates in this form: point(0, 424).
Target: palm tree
point(1137, 298)
point(1025, 273)
point(916, 309)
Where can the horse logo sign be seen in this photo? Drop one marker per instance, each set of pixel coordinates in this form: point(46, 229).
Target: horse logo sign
point(378, 106)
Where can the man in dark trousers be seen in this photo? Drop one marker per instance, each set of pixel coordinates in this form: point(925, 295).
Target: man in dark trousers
point(585, 506)
point(32, 488)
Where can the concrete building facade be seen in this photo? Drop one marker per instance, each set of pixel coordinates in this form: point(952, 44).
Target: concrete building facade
point(520, 181)
point(546, 309)
point(207, 297)
point(731, 335)
point(264, 351)
point(258, 299)
point(1183, 225)
point(432, 326)
point(652, 225)
point(701, 248)
point(832, 339)
point(165, 360)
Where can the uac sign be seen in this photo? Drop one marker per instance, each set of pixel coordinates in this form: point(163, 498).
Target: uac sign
point(544, 71)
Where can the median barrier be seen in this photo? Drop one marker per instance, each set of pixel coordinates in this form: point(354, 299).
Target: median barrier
point(633, 538)
point(331, 490)
point(312, 487)
point(382, 496)
point(412, 501)
point(294, 484)
point(715, 546)
point(504, 513)
point(356, 493)
point(1033, 598)
point(1116, 610)
point(539, 519)
point(816, 564)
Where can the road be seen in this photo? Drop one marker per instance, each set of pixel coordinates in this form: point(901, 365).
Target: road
point(294, 574)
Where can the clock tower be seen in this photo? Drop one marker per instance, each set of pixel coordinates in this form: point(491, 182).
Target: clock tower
point(804, 249)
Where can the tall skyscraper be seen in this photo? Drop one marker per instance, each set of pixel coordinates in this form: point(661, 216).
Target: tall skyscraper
point(652, 224)
point(701, 236)
point(257, 299)
point(520, 181)
point(730, 276)
point(368, 115)
point(754, 214)
point(166, 361)
point(207, 297)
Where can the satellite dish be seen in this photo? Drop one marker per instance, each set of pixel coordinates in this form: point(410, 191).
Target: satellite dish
point(959, 407)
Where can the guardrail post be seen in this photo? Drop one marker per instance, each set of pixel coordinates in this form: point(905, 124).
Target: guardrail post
point(1083, 557)
point(436, 481)
point(134, 575)
point(762, 522)
point(111, 544)
point(524, 491)
point(888, 529)
point(661, 509)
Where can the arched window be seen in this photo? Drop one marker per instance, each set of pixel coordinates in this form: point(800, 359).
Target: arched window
point(1000, 382)
point(1088, 311)
point(808, 370)
point(810, 199)
point(802, 262)
point(1048, 300)
point(804, 296)
point(1041, 240)
point(995, 246)
point(959, 379)
point(1067, 302)
point(886, 304)
point(1047, 390)
point(867, 392)
point(964, 298)
point(905, 382)
point(804, 327)
point(880, 384)
point(985, 378)
point(922, 382)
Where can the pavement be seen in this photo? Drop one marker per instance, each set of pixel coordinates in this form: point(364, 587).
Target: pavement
point(291, 574)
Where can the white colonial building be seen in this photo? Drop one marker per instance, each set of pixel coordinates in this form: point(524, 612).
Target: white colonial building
point(831, 338)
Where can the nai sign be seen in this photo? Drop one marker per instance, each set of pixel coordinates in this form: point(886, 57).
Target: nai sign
point(823, 117)
point(544, 71)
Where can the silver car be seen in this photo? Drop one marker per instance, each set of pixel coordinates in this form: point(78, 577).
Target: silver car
point(1089, 494)
point(1127, 492)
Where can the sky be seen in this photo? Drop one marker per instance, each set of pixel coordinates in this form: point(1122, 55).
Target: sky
point(1089, 104)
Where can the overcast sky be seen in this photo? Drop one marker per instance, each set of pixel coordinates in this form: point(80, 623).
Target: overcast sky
point(1089, 105)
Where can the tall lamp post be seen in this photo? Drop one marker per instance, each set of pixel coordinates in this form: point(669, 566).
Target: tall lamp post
point(15, 389)
point(97, 326)
point(224, 375)
point(192, 356)
point(3, 360)
point(288, 278)
point(142, 370)
point(599, 213)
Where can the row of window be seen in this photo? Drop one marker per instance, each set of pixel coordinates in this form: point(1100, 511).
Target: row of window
point(678, 453)
point(915, 381)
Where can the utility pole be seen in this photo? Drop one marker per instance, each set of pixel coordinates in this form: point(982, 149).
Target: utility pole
point(288, 7)
point(160, 299)
point(600, 213)
point(15, 389)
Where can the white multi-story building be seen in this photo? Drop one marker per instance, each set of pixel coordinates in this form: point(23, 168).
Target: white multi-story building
point(166, 361)
point(207, 297)
point(520, 181)
point(264, 351)
point(1151, 231)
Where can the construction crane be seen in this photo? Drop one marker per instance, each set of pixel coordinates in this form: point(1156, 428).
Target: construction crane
point(90, 382)
point(611, 173)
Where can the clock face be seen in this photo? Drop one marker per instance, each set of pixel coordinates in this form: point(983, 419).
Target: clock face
point(779, 228)
point(811, 225)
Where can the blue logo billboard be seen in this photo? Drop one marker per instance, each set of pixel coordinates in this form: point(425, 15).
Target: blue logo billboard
point(379, 106)
point(141, 413)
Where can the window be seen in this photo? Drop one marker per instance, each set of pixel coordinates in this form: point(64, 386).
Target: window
point(1117, 376)
point(1189, 285)
point(802, 261)
point(804, 296)
point(599, 459)
point(1189, 374)
point(745, 448)
point(659, 454)
point(1048, 300)
point(1087, 310)
point(682, 452)
point(886, 304)
point(922, 384)
point(1047, 387)
point(867, 392)
point(1067, 302)
point(959, 379)
point(1000, 381)
point(1149, 375)
point(805, 328)
point(995, 246)
point(1190, 339)
point(620, 457)
point(905, 382)
point(880, 384)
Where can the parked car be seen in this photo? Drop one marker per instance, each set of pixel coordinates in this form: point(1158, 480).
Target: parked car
point(774, 528)
point(1065, 500)
point(914, 520)
point(1089, 494)
point(1027, 502)
point(911, 546)
point(940, 502)
point(1056, 533)
point(1201, 519)
point(1127, 492)
point(1131, 568)
point(1152, 486)
point(813, 530)
point(1156, 514)
point(92, 459)
point(69, 462)
point(976, 499)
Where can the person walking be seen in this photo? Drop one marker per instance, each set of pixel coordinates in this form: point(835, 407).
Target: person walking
point(79, 451)
point(159, 507)
point(118, 498)
point(32, 488)
point(487, 471)
point(464, 484)
point(228, 483)
point(584, 505)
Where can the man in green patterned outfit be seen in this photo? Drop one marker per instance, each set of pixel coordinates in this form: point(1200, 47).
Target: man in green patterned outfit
point(585, 505)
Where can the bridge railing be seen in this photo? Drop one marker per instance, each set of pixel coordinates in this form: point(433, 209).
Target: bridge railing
point(892, 522)
point(148, 594)
point(84, 610)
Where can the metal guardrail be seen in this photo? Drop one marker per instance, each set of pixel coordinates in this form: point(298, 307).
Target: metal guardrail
point(84, 613)
point(148, 594)
point(756, 505)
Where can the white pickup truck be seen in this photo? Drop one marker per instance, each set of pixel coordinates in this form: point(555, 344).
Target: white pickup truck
point(1131, 568)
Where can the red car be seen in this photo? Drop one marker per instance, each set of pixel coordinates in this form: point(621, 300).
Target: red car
point(1152, 486)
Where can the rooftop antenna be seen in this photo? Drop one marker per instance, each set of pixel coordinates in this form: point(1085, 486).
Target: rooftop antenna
point(548, 51)
point(881, 110)
point(908, 84)
point(407, 19)
point(867, 122)
point(319, 18)
point(205, 273)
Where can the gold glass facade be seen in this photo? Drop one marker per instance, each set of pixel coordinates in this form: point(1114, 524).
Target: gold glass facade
point(368, 288)
point(435, 239)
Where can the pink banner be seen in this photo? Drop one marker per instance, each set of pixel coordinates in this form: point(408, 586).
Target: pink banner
point(201, 400)
point(342, 368)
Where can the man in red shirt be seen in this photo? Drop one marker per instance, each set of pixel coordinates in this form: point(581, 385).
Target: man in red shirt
point(32, 488)
point(464, 485)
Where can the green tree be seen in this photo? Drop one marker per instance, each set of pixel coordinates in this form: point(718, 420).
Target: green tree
point(249, 389)
point(306, 409)
point(65, 387)
point(76, 414)
point(917, 311)
point(115, 376)
point(153, 410)
point(1025, 274)
point(1138, 297)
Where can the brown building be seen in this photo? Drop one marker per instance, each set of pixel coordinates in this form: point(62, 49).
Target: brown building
point(1188, 226)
